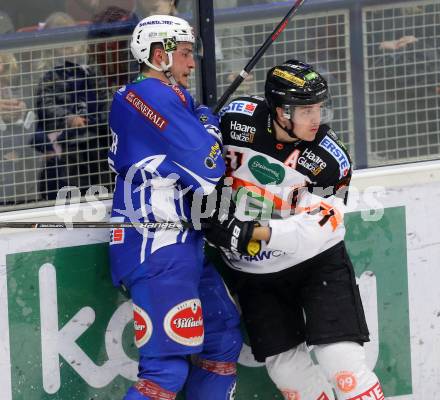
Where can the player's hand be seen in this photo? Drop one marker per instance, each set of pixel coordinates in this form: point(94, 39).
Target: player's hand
point(232, 234)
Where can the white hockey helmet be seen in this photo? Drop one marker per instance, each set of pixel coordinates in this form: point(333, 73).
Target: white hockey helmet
point(165, 29)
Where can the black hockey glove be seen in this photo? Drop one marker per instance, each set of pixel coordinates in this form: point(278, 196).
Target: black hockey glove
point(232, 234)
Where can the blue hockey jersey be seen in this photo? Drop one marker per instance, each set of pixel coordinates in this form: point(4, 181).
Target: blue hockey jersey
point(161, 154)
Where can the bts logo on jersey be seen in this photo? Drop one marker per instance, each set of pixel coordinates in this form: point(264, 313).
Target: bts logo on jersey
point(241, 107)
point(339, 154)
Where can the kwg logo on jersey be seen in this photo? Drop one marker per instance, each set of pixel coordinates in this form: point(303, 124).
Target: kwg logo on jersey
point(146, 110)
point(184, 323)
point(339, 154)
point(242, 133)
point(311, 162)
point(241, 107)
point(117, 236)
point(263, 255)
point(143, 327)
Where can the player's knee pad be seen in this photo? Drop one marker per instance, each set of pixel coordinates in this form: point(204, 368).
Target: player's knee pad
point(296, 376)
point(345, 366)
point(169, 373)
point(213, 380)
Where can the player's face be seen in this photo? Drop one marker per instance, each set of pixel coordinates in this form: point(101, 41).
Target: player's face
point(306, 121)
point(183, 63)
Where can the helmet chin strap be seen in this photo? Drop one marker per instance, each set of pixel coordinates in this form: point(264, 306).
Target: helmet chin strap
point(168, 74)
point(289, 131)
point(165, 68)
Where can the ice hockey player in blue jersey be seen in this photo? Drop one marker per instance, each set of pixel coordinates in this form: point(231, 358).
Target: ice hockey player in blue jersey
point(165, 148)
point(291, 172)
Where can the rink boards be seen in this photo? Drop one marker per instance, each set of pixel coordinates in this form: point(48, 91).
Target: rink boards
point(65, 332)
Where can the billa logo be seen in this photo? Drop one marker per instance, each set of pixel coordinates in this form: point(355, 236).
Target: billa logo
point(143, 327)
point(184, 323)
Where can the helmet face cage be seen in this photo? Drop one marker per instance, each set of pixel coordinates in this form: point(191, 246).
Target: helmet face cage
point(295, 83)
point(165, 29)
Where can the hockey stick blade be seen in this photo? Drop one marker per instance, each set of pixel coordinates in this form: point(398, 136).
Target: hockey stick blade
point(245, 72)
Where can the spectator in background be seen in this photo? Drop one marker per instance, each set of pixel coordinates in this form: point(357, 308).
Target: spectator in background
point(145, 8)
point(232, 51)
point(86, 10)
point(26, 13)
point(18, 162)
point(112, 58)
point(404, 86)
point(6, 25)
point(72, 106)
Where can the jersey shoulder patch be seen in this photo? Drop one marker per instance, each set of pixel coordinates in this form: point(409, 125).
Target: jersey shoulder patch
point(338, 152)
point(241, 106)
point(145, 109)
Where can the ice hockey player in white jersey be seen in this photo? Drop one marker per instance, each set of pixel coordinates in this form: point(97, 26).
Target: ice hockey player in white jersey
point(290, 171)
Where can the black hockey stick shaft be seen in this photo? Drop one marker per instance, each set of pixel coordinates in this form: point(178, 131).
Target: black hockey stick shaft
point(245, 71)
point(103, 224)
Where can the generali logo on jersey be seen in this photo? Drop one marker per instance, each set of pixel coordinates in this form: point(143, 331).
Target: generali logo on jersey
point(143, 327)
point(146, 110)
point(184, 323)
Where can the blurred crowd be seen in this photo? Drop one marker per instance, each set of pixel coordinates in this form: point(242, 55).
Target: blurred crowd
point(54, 98)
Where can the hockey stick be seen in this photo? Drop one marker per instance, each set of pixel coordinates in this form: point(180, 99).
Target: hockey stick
point(247, 69)
point(48, 225)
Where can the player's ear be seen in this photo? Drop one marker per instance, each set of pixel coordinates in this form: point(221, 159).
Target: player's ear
point(158, 55)
point(282, 117)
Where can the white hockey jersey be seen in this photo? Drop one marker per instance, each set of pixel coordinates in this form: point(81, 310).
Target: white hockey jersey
point(294, 188)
